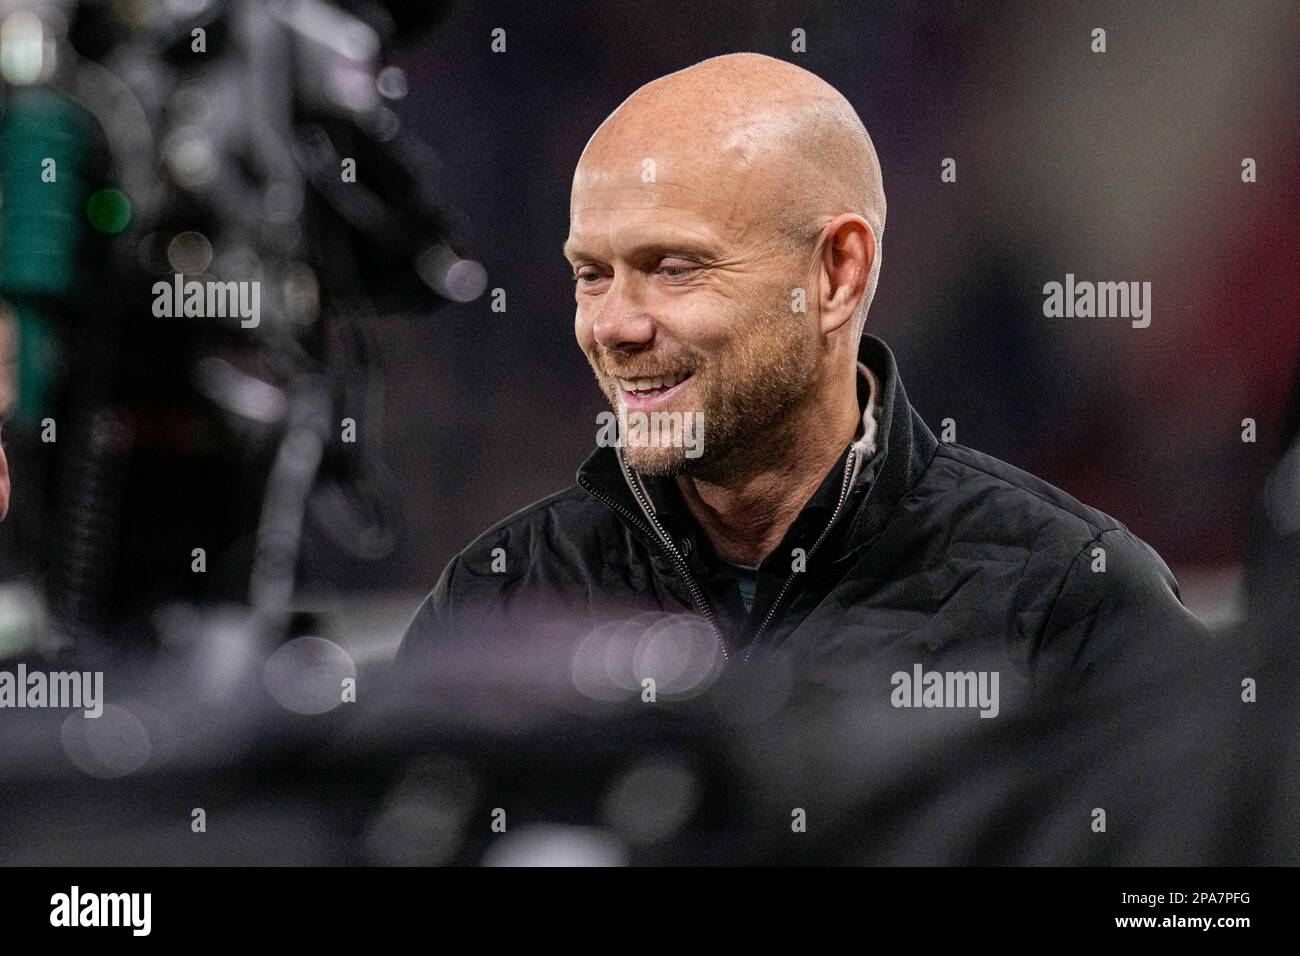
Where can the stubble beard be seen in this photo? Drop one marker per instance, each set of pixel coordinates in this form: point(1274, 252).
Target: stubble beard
point(749, 397)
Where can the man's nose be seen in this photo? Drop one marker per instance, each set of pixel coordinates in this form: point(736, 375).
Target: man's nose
point(623, 323)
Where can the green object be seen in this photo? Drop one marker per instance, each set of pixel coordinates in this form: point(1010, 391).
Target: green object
point(109, 211)
point(48, 146)
point(37, 355)
point(54, 205)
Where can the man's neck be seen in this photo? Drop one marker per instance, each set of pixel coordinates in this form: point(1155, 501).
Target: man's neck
point(748, 514)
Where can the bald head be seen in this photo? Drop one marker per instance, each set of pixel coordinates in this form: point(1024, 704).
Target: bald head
point(765, 135)
point(724, 233)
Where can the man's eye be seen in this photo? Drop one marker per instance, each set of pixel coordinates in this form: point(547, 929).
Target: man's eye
point(586, 278)
point(678, 271)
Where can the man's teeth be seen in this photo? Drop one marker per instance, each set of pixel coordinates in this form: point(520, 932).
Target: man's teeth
point(640, 385)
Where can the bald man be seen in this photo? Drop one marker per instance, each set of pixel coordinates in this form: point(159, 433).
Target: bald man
point(767, 474)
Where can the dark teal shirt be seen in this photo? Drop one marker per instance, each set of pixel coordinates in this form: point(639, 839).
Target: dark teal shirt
point(747, 580)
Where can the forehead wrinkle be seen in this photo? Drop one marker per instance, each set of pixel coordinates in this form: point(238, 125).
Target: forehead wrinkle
point(640, 237)
point(718, 214)
point(641, 189)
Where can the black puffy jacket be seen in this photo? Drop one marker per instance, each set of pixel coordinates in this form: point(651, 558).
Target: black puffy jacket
point(911, 552)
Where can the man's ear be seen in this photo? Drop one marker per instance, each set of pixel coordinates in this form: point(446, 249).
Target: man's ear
point(844, 260)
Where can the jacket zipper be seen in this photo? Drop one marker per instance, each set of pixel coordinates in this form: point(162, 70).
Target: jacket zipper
point(839, 506)
point(697, 595)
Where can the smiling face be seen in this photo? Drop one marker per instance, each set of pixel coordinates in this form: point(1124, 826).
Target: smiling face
point(722, 225)
point(684, 290)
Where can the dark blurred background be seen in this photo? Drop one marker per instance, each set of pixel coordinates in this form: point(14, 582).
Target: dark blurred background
point(1122, 166)
point(1116, 166)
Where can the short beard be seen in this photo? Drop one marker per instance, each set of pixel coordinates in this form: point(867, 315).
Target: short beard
point(748, 397)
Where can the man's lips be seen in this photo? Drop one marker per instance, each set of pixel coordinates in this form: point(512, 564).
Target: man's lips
point(648, 392)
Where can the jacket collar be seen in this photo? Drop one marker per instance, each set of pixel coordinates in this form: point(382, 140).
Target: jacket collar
point(892, 448)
